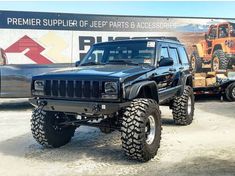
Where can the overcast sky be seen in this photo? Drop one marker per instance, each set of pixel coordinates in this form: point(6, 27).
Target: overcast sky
point(190, 9)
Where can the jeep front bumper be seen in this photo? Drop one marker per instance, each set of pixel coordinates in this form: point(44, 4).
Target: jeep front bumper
point(78, 107)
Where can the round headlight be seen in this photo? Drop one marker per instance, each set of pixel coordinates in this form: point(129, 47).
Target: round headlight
point(110, 87)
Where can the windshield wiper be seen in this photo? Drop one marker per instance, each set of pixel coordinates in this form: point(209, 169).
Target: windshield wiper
point(91, 63)
point(122, 62)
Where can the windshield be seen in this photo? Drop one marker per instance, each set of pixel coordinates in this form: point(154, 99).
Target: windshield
point(131, 52)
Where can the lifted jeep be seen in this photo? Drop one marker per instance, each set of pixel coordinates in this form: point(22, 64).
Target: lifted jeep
point(217, 49)
point(117, 86)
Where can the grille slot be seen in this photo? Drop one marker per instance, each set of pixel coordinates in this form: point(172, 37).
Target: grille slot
point(62, 88)
point(78, 89)
point(95, 90)
point(86, 89)
point(55, 88)
point(48, 88)
point(70, 88)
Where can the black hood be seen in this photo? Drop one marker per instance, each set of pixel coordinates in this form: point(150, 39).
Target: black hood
point(120, 72)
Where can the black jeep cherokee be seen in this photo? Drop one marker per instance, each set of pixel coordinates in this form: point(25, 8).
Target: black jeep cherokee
point(119, 85)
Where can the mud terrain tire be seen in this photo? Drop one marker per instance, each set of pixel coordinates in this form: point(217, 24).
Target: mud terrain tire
point(141, 129)
point(45, 130)
point(183, 107)
point(223, 61)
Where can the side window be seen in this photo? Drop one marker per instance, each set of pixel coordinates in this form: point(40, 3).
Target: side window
point(183, 55)
point(223, 31)
point(212, 33)
point(164, 53)
point(174, 55)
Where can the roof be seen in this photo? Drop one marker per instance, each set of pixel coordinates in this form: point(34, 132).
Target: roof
point(157, 39)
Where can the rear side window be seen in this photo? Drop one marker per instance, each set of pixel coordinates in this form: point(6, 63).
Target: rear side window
point(183, 55)
point(174, 55)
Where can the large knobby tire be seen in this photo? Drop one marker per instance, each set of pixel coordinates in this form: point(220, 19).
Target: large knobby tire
point(230, 92)
point(46, 131)
point(219, 61)
point(196, 62)
point(141, 129)
point(183, 107)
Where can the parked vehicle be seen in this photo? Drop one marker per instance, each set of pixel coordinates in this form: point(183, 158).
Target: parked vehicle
point(15, 79)
point(119, 85)
point(217, 49)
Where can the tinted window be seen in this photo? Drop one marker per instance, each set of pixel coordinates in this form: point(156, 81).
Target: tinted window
point(183, 55)
point(164, 53)
point(223, 31)
point(138, 52)
point(174, 55)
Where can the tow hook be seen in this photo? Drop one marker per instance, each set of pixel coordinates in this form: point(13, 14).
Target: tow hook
point(96, 108)
point(41, 103)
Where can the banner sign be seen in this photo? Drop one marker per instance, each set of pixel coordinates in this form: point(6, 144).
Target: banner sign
point(47, 38)
point(84, 22)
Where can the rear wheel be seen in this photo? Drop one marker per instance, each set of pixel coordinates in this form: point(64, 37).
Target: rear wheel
point(219, 61)
point(183, 107)
point(141, 129)
point(47, 132)
point(230, 92)
point(196, 62)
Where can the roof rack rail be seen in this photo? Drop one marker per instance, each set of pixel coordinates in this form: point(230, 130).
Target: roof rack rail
point(159, 37)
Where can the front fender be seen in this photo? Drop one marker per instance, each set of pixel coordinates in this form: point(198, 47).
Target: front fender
point(199, 49)
point(134, 90)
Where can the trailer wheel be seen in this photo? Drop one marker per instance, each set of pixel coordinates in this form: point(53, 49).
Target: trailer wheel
point(183, 107)
point(219, 60)
point(196, 62)
point(230, 92)
point(47, 132)
point(141, 129)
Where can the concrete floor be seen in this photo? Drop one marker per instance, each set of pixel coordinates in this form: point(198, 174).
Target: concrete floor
point(206, 147)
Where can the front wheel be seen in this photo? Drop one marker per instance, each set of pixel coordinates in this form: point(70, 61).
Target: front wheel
point(196, 62)
point(47, 132)
point(141, 129)
point(183, 107)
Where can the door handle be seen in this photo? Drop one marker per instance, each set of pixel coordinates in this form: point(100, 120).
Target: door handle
point(172, 69)
point(181, 68)
point(153, 75)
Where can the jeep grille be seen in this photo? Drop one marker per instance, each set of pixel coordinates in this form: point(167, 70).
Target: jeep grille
point(74, 89)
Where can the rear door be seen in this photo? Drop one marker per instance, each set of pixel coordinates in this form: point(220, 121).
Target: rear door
point(177, 67)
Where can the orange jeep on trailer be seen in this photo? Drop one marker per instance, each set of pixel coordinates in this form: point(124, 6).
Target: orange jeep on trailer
point(217, 49)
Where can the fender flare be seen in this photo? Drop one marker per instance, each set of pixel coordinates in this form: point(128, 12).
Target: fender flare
point(134, 90)
point(199, 49)
point(187, 80)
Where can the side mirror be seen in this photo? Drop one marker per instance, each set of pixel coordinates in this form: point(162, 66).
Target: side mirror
point(77, 63)
point(166, 62)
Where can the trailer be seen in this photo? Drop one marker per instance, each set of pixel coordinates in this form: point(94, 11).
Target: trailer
point(224, 87)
